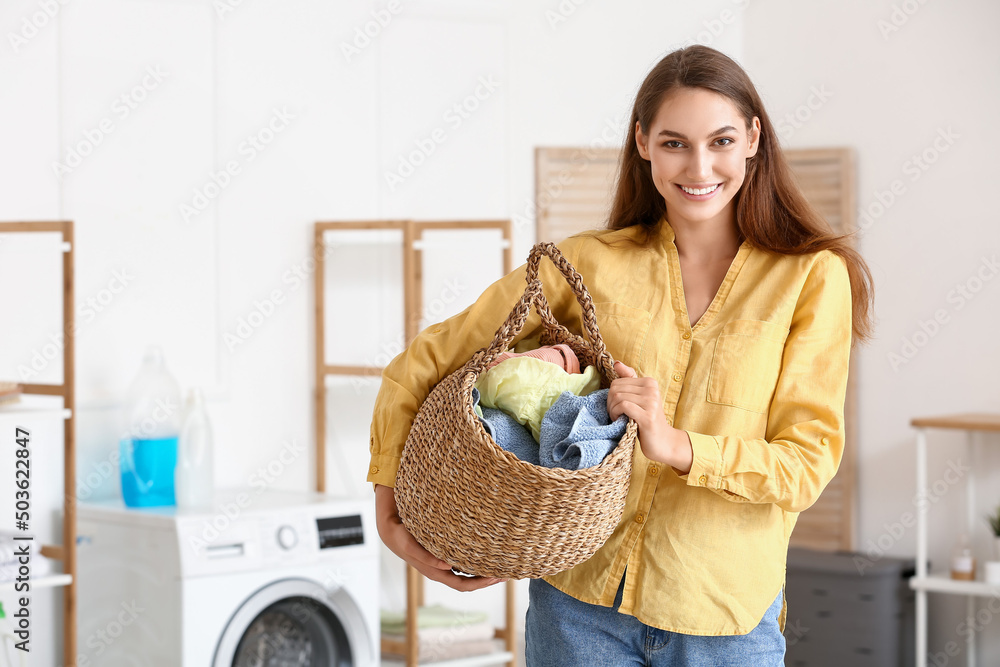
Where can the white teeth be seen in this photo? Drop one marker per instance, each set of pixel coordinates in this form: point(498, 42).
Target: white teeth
point(702, 191)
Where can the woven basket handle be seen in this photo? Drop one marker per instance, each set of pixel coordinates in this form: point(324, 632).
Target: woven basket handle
point(533, 295)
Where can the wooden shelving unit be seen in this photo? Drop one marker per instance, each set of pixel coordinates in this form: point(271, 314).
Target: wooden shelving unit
point(941, 582)
point(41, 408)
point(413, 241)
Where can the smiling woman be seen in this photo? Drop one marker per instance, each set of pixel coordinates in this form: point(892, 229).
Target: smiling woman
point(732, 310)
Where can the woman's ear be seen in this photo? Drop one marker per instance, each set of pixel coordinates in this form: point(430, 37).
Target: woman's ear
point(754, 137)
point(640, 142)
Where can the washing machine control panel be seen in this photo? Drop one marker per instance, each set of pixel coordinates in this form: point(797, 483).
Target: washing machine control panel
point(340, 531)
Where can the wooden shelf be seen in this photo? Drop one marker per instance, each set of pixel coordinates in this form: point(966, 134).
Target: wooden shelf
point(968, 421)
point(411, 242)
point(48, 581)
point(57, 401)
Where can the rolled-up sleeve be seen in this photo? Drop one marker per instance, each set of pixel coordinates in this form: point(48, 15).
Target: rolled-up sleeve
point(806, 417)
point(443, 348)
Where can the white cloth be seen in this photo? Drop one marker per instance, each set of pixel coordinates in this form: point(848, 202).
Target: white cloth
point(453, 650)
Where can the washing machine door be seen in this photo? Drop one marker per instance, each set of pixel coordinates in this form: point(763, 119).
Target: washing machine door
point(295, 622)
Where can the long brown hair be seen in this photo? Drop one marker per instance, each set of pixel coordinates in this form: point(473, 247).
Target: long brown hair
point(771, 211)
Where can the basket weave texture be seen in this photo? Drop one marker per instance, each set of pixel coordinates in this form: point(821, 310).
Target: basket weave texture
point(480, 508)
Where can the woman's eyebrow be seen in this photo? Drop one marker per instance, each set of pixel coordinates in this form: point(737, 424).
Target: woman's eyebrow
point(671, 133)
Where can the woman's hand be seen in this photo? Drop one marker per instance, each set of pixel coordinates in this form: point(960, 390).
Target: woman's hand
point(400, 542)
point(639, 398)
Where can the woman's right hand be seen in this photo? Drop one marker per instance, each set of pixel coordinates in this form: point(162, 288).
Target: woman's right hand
point(400, 542)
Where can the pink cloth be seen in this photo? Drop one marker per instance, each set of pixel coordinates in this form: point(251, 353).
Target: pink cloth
point(561, 355)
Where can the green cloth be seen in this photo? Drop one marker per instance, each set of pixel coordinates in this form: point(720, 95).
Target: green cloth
point(430, 616)
point(525, 388)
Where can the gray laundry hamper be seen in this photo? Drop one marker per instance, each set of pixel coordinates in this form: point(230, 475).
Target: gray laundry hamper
point(847, 609)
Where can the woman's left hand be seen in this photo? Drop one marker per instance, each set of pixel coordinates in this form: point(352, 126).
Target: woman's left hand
point(639, 398)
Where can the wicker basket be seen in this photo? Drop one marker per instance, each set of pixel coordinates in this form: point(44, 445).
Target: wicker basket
point(480, 508)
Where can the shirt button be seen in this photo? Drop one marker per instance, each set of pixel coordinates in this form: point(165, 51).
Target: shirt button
point(639, 518)
point(703, 480)
point(677, 377)
point(686, 335)
point(438, 330)
point(374, 469)
point(825, 441)
point(653, 471)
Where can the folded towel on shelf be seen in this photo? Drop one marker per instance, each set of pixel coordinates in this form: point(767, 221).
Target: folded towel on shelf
point(430, 616)
point(437, 652)
point(449, 634)
point(507, 432)
point(577, 431)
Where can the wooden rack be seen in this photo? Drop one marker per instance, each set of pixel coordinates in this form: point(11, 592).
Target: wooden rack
point(412, 244)
point(67, 551)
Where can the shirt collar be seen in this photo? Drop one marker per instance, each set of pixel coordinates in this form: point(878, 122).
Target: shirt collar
point(665, 230)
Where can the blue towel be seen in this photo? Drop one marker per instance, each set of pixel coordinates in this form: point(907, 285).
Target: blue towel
point(577, 432)
point(510, 434)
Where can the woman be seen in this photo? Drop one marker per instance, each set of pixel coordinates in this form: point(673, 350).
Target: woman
point(732, 310)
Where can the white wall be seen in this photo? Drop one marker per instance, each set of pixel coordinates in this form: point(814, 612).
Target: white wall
point(893, 94)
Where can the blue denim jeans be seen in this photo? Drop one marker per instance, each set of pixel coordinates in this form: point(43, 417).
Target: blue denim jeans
point(561, 631)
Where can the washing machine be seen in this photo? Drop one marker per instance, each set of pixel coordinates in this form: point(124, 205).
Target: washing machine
point(263, 578)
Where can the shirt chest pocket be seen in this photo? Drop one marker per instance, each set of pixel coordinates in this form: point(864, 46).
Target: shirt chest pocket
point(746, 364)
point(623, 329)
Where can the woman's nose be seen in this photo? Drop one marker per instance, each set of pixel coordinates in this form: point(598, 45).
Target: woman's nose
point(699, 166)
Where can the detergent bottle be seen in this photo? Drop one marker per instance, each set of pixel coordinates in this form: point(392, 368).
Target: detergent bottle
point(194, 477)
point(148, 449)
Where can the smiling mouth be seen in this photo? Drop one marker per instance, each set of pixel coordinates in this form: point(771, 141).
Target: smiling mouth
point(700, 191)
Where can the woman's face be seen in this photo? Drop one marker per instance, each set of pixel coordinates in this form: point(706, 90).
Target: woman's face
point(697, 148)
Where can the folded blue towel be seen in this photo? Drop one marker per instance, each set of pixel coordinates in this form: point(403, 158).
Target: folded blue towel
point(577, 431)
point(510, 434)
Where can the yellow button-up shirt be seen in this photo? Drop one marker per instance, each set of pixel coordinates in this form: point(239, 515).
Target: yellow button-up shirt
point(758, 383)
